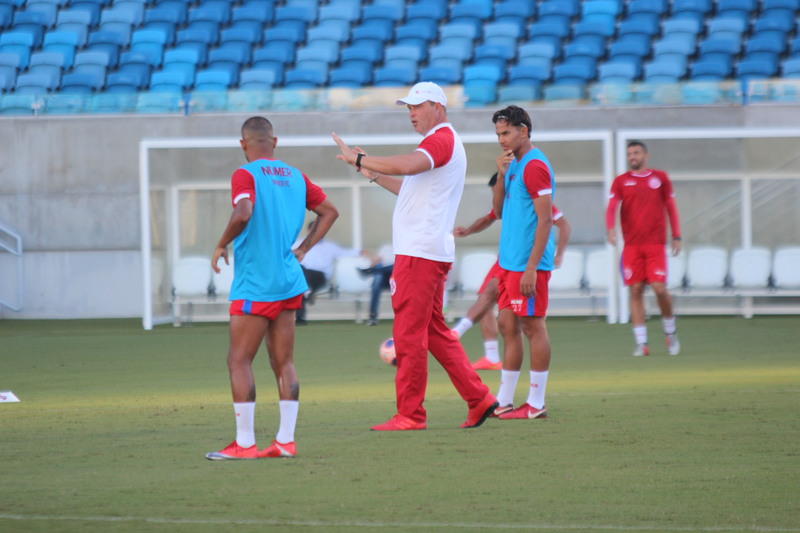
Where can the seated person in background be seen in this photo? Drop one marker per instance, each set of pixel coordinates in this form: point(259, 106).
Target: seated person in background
point(318, 269)
point(381, 272)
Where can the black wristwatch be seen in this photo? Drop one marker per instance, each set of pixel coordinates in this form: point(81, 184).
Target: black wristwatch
point(358, 161)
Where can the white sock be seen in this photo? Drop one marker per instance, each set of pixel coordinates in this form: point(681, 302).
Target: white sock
point(640, 333)
point(508, 382)
point(245, 423)
point(288, 421)
point(538, 386)
point(669, 325)
point(490, 351)
point(463, 325)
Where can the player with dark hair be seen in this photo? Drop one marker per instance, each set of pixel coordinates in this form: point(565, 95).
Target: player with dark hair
point(647, 197)
point(523, 199)
point(270, 199)
point(428, 194)
point(479, 312)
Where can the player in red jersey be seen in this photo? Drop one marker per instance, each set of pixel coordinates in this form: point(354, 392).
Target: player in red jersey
point(646, 196)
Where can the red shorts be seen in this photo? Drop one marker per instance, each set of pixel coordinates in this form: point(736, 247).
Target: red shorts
point(509, 295)
point(494, 272)
point(269, 310)
point(644, 263)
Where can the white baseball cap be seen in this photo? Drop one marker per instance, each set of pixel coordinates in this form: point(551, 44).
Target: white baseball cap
point(424, 91)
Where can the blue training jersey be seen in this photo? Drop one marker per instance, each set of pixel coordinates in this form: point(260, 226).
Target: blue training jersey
point(520, 220)
point(264, 267)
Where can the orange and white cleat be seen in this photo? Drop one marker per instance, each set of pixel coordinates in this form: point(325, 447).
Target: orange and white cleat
point(525, 411)
point(277, 449)
point(484, 364)
point(233, 452)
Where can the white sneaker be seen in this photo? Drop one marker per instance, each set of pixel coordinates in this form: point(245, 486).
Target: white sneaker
point(641, 349)
point(673, 344)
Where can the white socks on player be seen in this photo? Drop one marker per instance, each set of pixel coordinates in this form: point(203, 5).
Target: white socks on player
point(640, 334)
point(463, 325)
point(289, 410)
point(538, 386)
point(669, 325)
point(490, 351)
point(245, 423)
point(508, 382)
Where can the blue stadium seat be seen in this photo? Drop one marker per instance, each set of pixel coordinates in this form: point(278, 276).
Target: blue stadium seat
point(76, 22)
point(440, 75)
point(647, 27)
point(600, 28)
point(272, 59)
point(183, 62)
point(459, 31)
point(62, 42)
point(400, 56)
point(518, 93)
point(389, 12)
point(556, 12)
point(82, 82)
point(92, 7)
point(107, 42)
point(649, 7)
point(262, 14)
point(36, 83)
point(149, 43)
point(705, 70)
point(8, 79)
point(490, 74)
point(552, 33)
point(134, 8)
point(304, 78)
point(303, 13)
point(573, 73)
point(772, 28)
point(362, 52)
point(249, 35)
point(349, 12)
point(721, 50)
point(617, 72)
point(663, 71)
point(739, 9)
point(512, 8)
point(502, 34)
point(30, 22)
point(780, 9)
point(764, 48)
point(572, 50)
point(124, 82)
point(747, 69)
point(695, 9)
point(353, 77)
point(495, 55)
point(391, 77)
point(170, 82)
point(461, 53)
point(727, 28)
point(682, 27)
point(230, 60)
point(257, 80)
point(530, 74)
point(418, 32)
point(6, 15)
point(374, 30)
point(536, 52)
point(555, 94)
point(212, 80)
point(791, 68)
point(479, 93)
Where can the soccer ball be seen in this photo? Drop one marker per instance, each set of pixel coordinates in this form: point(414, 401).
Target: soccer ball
point(386, 352)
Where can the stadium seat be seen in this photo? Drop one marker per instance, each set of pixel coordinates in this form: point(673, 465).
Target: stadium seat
point(299, 78)
point(36, 83)
point(8, 79)
point(212, 80)
point(62, 42)
point(257, 80)
point(440, 75)
point(573, 74)
point(18, 43)
point(76, 22)
point(750, 268)
point(82, 82)
point(647, 27)
point(726, 28)
point(502, 33)
point(780, 9)
point(663, 72)
point(569, 276)
point(354, 76)
point(694, 9)
point(494, 55)
point(656, 8)
point(125, 82)
point(535, 52)
point(707, 267)
point(31, 23)
point(393, 77)
point(791, 68)
point(739, 9)
point(786, 268)
point(747, 69)
point(20, 104)
point(519, 93)
point(170, 82)
point(529, 74)
point(617, 72)
point(705, 70)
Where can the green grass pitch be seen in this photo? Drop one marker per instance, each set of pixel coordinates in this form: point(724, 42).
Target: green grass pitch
point(114, 422)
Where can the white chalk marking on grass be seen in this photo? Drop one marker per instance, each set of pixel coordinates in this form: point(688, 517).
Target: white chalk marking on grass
point(387, 525)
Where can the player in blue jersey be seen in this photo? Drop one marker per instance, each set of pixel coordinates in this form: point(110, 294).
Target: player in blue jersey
point(523, 198)
point(270, 199)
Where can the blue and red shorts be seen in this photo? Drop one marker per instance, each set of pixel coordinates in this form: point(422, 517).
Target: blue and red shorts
point(269, 310)
point(509, 295)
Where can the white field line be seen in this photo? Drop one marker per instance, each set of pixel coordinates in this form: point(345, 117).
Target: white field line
point(385, 525)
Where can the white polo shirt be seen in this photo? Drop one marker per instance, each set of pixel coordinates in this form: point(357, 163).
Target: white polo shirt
point(422, 224)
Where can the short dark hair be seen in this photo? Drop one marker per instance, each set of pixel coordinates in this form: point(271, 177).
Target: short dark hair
point(515, 116)
point(493, 180)
point(637, 143)
point(259, 127)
